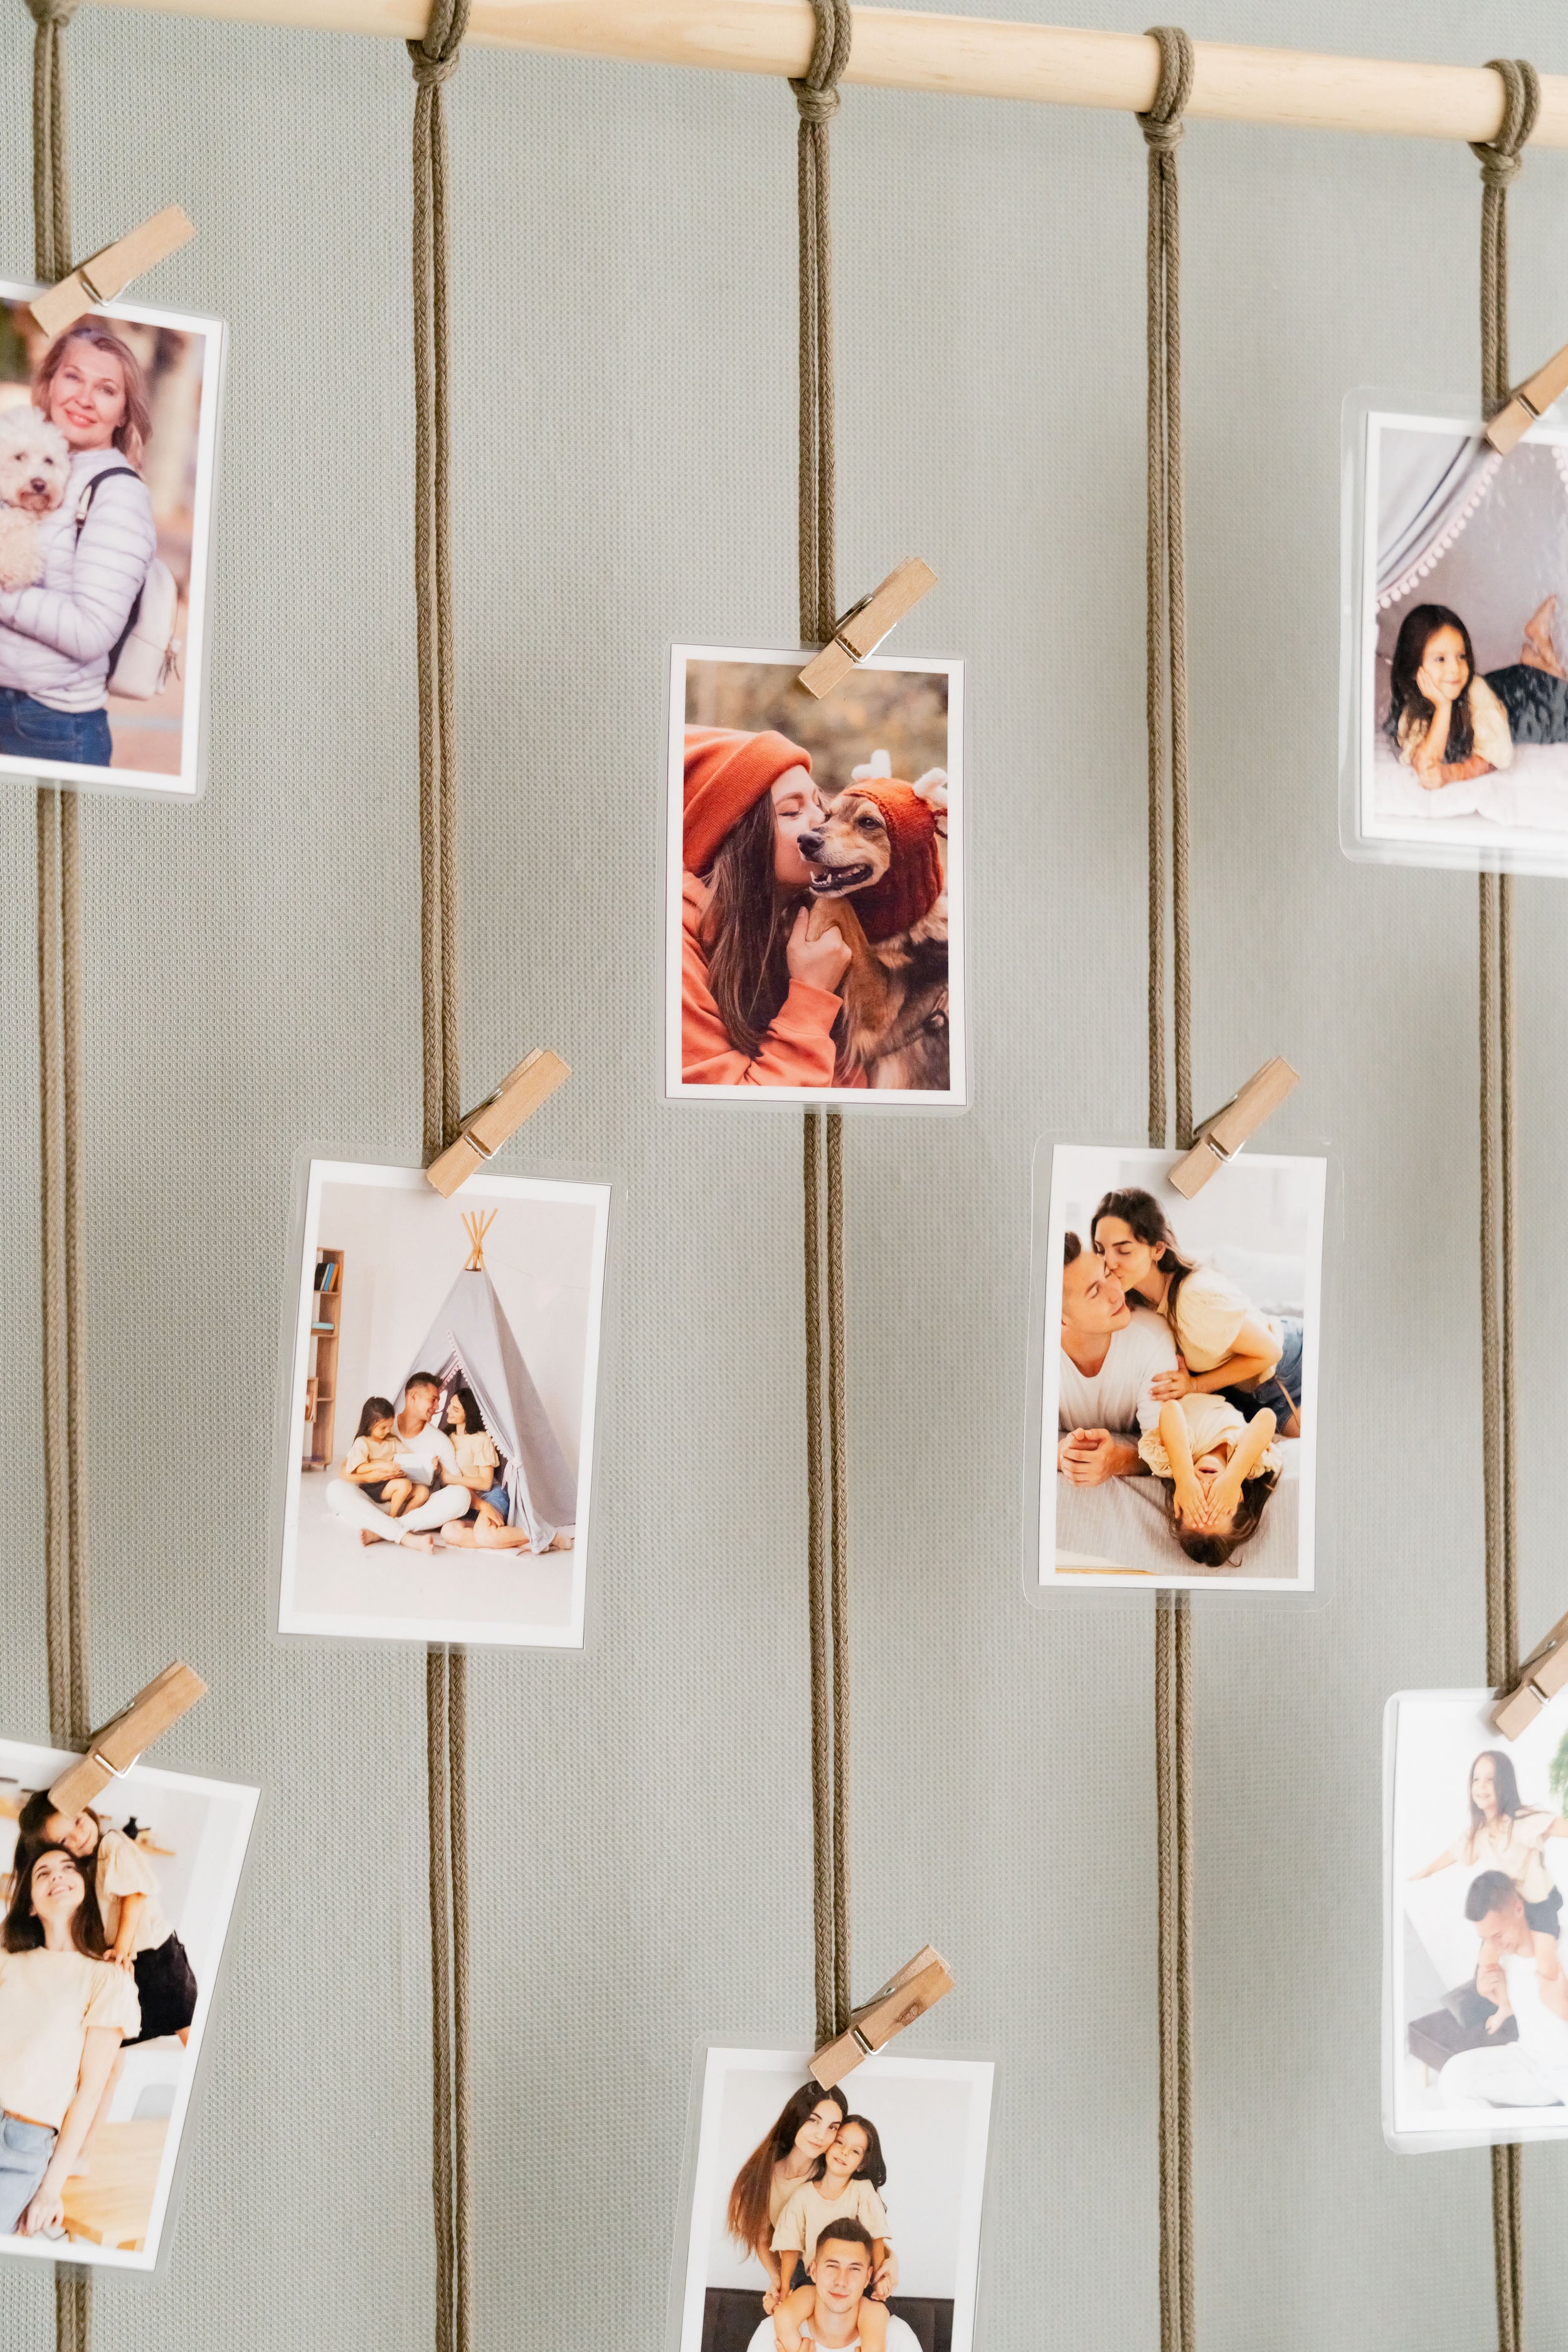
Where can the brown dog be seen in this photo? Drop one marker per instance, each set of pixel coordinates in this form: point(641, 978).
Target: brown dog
point(878, 874)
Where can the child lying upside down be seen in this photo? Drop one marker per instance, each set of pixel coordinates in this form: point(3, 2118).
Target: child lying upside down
point(1218, 1472)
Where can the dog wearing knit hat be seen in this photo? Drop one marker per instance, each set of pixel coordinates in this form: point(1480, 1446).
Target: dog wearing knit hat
point(878, 858)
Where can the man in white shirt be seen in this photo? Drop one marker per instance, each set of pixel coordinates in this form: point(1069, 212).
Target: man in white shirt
point(841, 2273)
point(1533, 2071)
point(1110, 1355)
point(425, 1454)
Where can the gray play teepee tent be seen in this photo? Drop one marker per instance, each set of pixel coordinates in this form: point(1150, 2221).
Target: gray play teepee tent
point(471, 1345)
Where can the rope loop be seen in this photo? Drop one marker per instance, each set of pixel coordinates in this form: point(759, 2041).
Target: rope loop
point(45, 12)
point(1499, 158)
point(1162, 126)
point(816, 90)
point(434, 58)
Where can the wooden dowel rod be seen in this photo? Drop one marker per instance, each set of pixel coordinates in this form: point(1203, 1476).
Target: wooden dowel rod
point(898, 48)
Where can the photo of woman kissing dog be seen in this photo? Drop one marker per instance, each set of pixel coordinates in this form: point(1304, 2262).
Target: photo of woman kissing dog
point(814, 879)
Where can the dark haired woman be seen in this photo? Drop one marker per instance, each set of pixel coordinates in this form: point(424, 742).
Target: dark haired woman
point(758, 1002)
point(63, 2013)
point(1224, 1346)
point(1506, 1834)
point(1449, 722)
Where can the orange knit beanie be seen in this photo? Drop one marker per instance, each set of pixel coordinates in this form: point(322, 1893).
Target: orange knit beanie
point(912, 883)
point(727, 772)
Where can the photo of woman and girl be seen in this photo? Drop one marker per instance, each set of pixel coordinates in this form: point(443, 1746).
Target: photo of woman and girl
point(814, 917)
point(1461, 742)
point(1483, 2001)
point(840, 2218)
point(105, 484)
point(1180, 1383)
point(99, 2002)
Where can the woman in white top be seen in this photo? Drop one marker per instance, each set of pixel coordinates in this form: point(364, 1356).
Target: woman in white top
point(58, 640)
point(1224, 1346)
point(63, 2013)
point(1505, 1833)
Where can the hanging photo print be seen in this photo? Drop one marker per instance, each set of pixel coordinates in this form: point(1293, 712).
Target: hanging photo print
point(814, 907)
point(844, 2218)
point(1476, 2019)
point(107, 434)
point(1457, 612)
point(1180, 1376)
point(440, 1421)
point(114, 1928)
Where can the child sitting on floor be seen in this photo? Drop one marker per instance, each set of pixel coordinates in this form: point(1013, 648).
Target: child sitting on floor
point(1218, 1472)
point(371, 1462)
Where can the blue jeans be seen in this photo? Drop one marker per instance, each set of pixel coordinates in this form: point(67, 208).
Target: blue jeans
point(499, 1500)
point(31, 731)
point(1282, 1391)
point(25, 2153)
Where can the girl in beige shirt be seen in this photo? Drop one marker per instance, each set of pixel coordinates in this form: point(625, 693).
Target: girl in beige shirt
point(1218, 1470)
point(845, 2184)
point(63, 2013)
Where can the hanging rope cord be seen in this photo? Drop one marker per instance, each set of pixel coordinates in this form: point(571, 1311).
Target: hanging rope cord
point(827, 1533)
point(1169, 877)
point(1501, 161)
point(62, 1248)
point(435, 61)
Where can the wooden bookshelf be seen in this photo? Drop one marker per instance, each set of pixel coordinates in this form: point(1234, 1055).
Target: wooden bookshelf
point(321, 1380)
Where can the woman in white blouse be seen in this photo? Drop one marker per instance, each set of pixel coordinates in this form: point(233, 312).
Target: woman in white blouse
point(63, 2014)
point(58, 640)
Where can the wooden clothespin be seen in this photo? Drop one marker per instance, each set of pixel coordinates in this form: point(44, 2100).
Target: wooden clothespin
point(1221, 1137)
point(115, 1748)
point(1543, 1673)
point(104, 275)
point(484, 1131)
point(1530, 402)
point(862, 629)
point(909, 1995)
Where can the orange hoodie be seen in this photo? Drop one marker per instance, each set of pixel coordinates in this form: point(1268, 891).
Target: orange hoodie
point(798, 1050)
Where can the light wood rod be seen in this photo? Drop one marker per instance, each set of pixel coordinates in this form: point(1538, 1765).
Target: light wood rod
point(901, 49)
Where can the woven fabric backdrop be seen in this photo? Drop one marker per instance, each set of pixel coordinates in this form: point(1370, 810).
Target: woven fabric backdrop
point(625, 364)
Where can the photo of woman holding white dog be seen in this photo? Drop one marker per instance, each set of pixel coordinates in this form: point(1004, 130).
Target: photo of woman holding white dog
point(105, 480)
point(1179, 1434)
point(815, 919)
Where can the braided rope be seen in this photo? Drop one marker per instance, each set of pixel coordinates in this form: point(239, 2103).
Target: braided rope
point(1166, 702)
point(435, 61)
point(1501, 161)
point(827, 1498)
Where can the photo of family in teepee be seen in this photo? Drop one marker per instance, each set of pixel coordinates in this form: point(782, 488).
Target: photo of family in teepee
point(438, 1462)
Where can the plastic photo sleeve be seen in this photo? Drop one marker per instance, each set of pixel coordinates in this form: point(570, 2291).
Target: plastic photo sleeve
point(850, 809)
point(115, 1928)
point(1454, 702)
point(1177, 1381)
point(1474, 2044)
point(891, 2225)
point(108, 448)
point(438, 1426)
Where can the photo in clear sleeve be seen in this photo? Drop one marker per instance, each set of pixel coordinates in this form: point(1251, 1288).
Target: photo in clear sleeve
point(1475, 2015)
point(850, 2217)
point(107, 441)
point(1179, 1372)
point(814, 911)
point(440, 1410)
point(1457, 714)
point(115, 1924)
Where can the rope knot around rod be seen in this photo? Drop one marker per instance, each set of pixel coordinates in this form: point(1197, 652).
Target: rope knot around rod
point(1162, 126)
point(435, 58)
point(1499, 158)
point(816, 90)
point(52, 12)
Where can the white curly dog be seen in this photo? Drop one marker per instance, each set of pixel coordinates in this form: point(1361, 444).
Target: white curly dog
point(35, 460)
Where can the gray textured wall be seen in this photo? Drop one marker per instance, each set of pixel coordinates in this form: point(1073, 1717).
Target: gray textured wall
point(625, 326)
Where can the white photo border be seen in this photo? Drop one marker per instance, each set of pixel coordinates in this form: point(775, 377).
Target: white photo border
point(139, 784)
point(955, 1096)
point(42, 1766)
point(715, 2061)
point(289, 1619)
point(1048, 1579)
